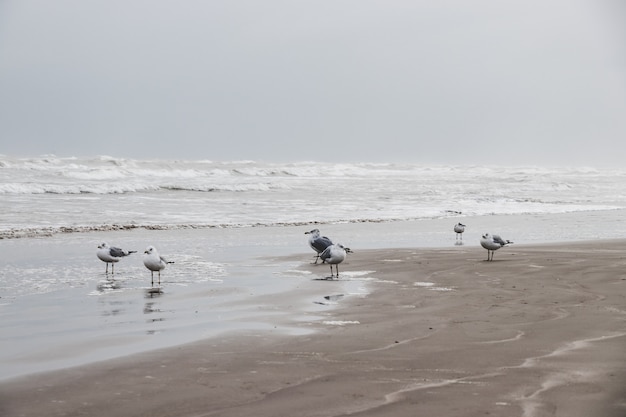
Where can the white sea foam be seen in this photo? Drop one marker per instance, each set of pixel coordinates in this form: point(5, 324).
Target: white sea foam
point(341, 322)
point(74, 194)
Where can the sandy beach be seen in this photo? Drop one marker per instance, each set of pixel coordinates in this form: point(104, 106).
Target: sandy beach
point(540, 331)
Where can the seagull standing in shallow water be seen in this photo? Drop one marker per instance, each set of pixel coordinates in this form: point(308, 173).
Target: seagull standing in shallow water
point(154, 262)
point(318, 243)
point(459, 228)
point(111, 255)
point(334, 255)
point(492, 244)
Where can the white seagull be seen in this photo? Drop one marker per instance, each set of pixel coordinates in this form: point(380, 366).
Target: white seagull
point(318, 243)
point(459, 228)
point(154, 262)
point(111, 255)
point(492, 244)
point(334, 255)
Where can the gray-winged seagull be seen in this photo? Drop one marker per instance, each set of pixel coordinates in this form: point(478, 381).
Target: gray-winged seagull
point(459, 228)
point(492, 244)
point(334, 255)
point(318, 243)
point(111, 255)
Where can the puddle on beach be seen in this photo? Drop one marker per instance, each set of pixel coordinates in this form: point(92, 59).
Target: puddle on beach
point(82, 315)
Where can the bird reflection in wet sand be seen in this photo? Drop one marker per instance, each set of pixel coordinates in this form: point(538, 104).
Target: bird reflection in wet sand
point(154, 292)
point(155, 316)
point(108, 285)
point(150, 308)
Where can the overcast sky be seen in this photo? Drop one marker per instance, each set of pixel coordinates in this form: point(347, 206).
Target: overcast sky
point(437, 81)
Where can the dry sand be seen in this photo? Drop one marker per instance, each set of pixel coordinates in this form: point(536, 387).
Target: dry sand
point(540, 331)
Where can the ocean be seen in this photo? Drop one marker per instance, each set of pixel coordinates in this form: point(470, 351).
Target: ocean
point(48, 195)
point(235, 231)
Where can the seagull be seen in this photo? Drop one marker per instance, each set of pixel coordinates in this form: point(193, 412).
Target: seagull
point(334, 255)
point(110, 255)
point(318, 243)
point(154, 262)
point(492, 243)
point(459, 228)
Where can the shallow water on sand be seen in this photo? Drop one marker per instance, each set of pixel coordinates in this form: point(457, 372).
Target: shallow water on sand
point(60, 309)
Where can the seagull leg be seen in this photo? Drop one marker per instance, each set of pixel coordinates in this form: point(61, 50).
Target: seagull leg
point(159, 277)
point(112, 268)
point(152, 277)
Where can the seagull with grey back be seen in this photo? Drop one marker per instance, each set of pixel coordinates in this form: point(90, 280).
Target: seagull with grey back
point(492, 243)
point(334, 255)
point(317, 242)
point(111, 255)
point(459, 228)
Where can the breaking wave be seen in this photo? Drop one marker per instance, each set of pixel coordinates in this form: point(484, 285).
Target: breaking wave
point(49, 195)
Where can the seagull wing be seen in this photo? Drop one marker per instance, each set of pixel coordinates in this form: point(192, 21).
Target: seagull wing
point(165, 260)
point(321, 243)
point(117, 252)
point(497, 239)
point(326, 253)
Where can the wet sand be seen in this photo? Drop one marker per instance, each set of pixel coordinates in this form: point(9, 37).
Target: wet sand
point(540, 331)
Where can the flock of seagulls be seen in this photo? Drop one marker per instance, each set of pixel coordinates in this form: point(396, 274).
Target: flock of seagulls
point(330, 253)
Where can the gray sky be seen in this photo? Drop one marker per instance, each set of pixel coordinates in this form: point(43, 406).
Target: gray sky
point(470, 82)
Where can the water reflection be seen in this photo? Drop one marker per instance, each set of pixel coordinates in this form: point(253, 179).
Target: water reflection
point(154, 292)
point(108, 285)
point(151, 308)
point(110, 306)
point(330, 299)
point(113, 308)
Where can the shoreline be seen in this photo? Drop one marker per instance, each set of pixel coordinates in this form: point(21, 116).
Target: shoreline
point(538, 331)
point(579, 218)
